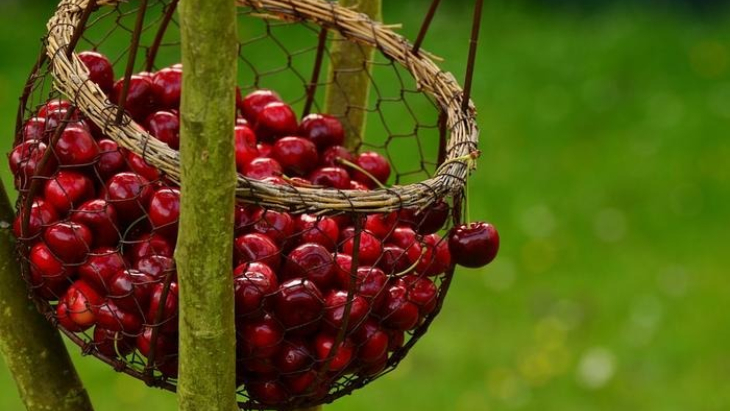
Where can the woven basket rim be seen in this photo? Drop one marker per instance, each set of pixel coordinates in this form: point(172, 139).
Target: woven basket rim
point(71, 79)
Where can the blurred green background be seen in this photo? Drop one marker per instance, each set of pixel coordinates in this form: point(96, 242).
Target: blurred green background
point(605, 167)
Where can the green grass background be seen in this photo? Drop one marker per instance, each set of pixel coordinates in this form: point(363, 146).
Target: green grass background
point(605, 167)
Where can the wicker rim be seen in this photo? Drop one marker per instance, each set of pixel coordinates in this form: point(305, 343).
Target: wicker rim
point(71, 78)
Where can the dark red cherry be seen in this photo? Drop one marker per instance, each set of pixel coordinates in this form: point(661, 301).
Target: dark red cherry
point(339, 357)
point(436, 259)
point(261, 337)
point(157, 266)
point(262, 167)
point(370, 250)
point(293, 357)
point(397, 311)
point(422, 292)
point(372, 284)
point(245, 217)
point(111, 160)
point(427, 221)
point(52, 106)
point(129, 193)
point(298, 156)
point(131, 290)
point(311, 261)
point(254, 103)
point(166, 84)
point(35, 129)
point(264, 149)
point(101, 265)
point(164, 315)
point(396, 339)
point(41, 216)
point(300, 383)
point(140, 166)
point(323, 130)
point(165, 126)
point(298, 304)
point(319, 230)
point(26, 156)
point(267, 392)
point(275, 120)
point(164, 211)
point(64, 318)
point(405, 238)
point(394, 260)
point(376, 165)
point(257, 247)
point(69, 241)
point(335, 308)
point(356, 185)
point(81, 303)
point(113, 318)
point(277, 225)
point(374, 368)
point(49, 276)
point(253, 282)
point(68, 189)
point(474, 245)
point(372, 342)
point(246, 150)
point(100, 69)
point(381, 225)
point(166, 351)
point(332, 155)
point(149, 244)
point(343, 270)
point(333, 177)
point(101, 218)
point(112, 343)
point(140, 101)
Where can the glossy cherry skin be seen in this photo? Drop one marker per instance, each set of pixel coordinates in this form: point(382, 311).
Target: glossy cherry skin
point(394, 260)
point(68, 189)
point(129, 193)
point(252, 283)
point(35, 129)
point(245, 217)
point(311, 261)
point(267, 392)
point(319, 230)
point(157, 266)
point(260, 337)
point(298, 156)
point(26, 156)
point(164, 315)
point(293, 357)
point(69, 241)
point(323, 130)
point(113, 318)
point(396, 339)
point(49, 276)
point(140, 166)
point(167, 84)
point(397, 312)
point(405, 238)
point(131, 290)
point(246, 150)
point(374, 368)
point(254, 103)
point(421, 291)
point(339, 357)
point(164, 211)
point(112, 343)
point(53, 105)
point(427, 221)
point(111, 160)
point(166, 351)
point(81, 303)
point(332, 155)
point(335, 307)
point(381, 225)
point(101, 218)
point(277, 225)
point(264, 149)
point(165, 126)
point(376, 165)
point(140, 100)
point(147, 245)
point(436, 259)
point(298, 305)
point(371, 341)
point(257, 247)
point(300, 383)
point(262, 167)
point(369, 251)
point(64, 318)
point(101, 265)
point(333, 177)
point(275, 120)
point(41, 216)
point(100, 69)
point(372, 283)
point(343, 270)
point(474, 245)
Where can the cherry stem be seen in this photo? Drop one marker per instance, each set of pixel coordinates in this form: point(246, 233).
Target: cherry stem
point(360, 169)
point(412, 267)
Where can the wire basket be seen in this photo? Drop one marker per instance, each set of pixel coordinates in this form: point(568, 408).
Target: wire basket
point(383, 268)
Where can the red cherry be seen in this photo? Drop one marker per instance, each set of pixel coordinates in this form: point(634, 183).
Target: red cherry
point(474, 245)
point(311, 261)
point(376, 165)
point(69, 241)
point(336, 306)
point(381, 225)
point(356, 185)
point(405, 238)
point(52, 106)
point(112, 343)
point(167, 321)
point(298, 305)
point(245, 217)
point(49, 276)
point(111, 317)
point(101, 265)
point(427, 221)
point(129, 193)
point(397, 312)
point(140, 100)
point(261, 337)
point(339, 357)
point(370, 248)
point(436, 259)
point(374, 368)
point(257, 247)
point(68, 189)
point(253, 282)
point(140, 166)
point(394, 260)
point(157, 266)
point(150, 244)
point(333, 177)
point(111, 160)
point(81, 303)
point(372, 342)
point(372, 284)
point(275, 120)
point(277, 225)
point(300, 383)
point(396, 340)
point(264, 149)
point(261, 168)
point(267, 392)
point(41, 216)
point(64, 317)
point(35, 129)
point(293, 357)
point(100, 69)
point(101, 218)
point(164, 211)
point(343, 270)
point(296, 155)
point(422, 292)
point(254, 103)
point(318, 230)
point(26, 156)
point(131, 290)
point(57, 119)
point(165, 126)
point(166, 85)
point(323, 130)
point(331, 156)
point(246, 150)
point(166, 351)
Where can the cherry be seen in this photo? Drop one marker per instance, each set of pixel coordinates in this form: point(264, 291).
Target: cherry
point(100, 266)
point(26, 156)
point(257, 247)
point(165, 126)
point(474, 245)
point(323, 130)
point(336, 307)
point(111, 160)
point(254, 103)
point(68, 189)
point(112, 343)
point(397, 312)
point(35, 129)
point(246, 150)
point(57, 119)
point(68, 241)
point(372, 342)
point(356, 185)
point(333, 177)
point(140, 166)
point(157, 266)
point(245, 217)
point(374, 368)
point(63, 316)
point(296, 155)
point(101, 218)
point(264, 149)
point(300, 383)
point(41, 216)
point(113, 318)
point(332, 155)
point(339, 357)
point(343, 270)
point(394, 260)
point(436, 259)
point(166, 351)
point(49, 276)
point(164, 211)
point(298, 303)
point(100, 69)
point(168, 316)
point(427, 221)
point(275, 120)
point(422, 292)
point(396, 340)
point(140, 100)
point(381, 225)
point(318, 230)
point(294, 356)
point(277, 225)
point(262, 167)
point(129, 193)
point(167, 84)
point(405, 238)
point(370, 250)
point(150, 244)
point(53, 106)
point(373, 163)
point(311, 261)
point(131, 290)
point(267, 392)
point(261, 337)
point(372, 284)
point(252, 283)
point(81, 303)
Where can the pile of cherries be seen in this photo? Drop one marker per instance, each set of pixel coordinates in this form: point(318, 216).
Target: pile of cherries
point(102, 229)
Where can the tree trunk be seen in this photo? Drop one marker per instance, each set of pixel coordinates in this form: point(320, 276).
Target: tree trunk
point(208, 176)
point(349, 78)
point(32, 349)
